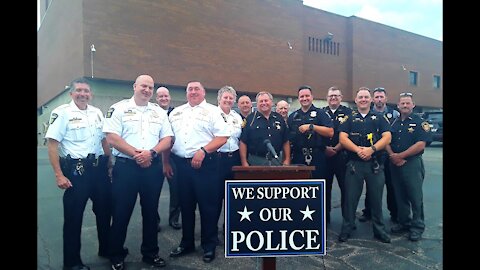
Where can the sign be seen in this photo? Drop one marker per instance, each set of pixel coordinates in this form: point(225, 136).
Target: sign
point(270, 218)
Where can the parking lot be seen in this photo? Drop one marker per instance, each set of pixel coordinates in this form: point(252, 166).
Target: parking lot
point(362, 251)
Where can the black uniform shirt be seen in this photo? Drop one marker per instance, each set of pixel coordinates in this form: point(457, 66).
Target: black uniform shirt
point(315, 116)
point(408, 132)
point(257, 128)
point(337, 117)
point(359, 128)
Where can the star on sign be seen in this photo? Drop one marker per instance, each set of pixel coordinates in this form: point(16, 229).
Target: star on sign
point(245, 214)
point(307, 213)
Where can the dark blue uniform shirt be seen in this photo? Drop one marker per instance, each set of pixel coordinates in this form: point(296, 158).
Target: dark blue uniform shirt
point(336, 117)
point(257, 128)
point(358, 129)
point(408, 132)
point(309, 139)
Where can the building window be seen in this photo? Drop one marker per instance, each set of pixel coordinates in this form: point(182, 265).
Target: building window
point(413, 78)
point(325, 46)
point(436, 81)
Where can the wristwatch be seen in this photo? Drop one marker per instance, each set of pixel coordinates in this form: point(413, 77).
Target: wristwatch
point(153, 153)
point(310, 127)
point(373, 148)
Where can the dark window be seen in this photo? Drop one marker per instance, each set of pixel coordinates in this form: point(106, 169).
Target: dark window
point(338, 48)
point(309, 43)
point(436, 81)
point(413, 78)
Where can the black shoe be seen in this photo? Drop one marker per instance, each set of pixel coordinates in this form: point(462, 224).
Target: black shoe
point(343, 237)
point(175, 225)
point(77, 267)
point(398, 229)
point(154, 261)
point(364, 218)
point(414, 236)
point(209, 256)
point(118, 266)
point(383, 238)
point(180, 251)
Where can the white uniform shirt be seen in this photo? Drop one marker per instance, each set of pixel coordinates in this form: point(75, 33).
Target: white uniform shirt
point(140, 127)
point(195, 127)
point(234, 122)
point(78, 131)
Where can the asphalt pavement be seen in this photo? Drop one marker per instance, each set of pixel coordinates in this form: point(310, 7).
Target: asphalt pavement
point(361, 251)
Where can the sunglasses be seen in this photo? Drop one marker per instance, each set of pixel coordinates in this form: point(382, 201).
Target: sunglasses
point(406, 94)
point(379, 89)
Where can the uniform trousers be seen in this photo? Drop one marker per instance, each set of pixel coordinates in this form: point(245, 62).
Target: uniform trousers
point(199, 186)
point(407, 183)
point(174, 206)
point(129, 179)
point(95, 184)
point(226, 161)
point(356, 172)
point(336, 166)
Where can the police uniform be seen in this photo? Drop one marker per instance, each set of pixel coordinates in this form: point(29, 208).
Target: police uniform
point(364, 131)
point(336, 163)
point(390, 114)
point(229, 155)
point(83, 162)
point(309, 148)
point(141, 127)
point(174, 205)
point(195, 127)
point(257, 129)
point(407, 179)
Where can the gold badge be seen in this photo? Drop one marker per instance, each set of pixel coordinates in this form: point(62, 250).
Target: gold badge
point(342, 119)
point(244, 122)
point(109, 112)
point(426, 126)
point(410, 130)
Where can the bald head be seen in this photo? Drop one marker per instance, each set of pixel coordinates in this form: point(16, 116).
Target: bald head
point(163, 97)
point(282, 108)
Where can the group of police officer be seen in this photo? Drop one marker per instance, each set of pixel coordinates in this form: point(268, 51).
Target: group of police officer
point(202, 140)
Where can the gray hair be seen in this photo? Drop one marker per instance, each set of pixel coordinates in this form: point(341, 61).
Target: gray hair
point(227, 89)
point(78, 80)
point(264, 93)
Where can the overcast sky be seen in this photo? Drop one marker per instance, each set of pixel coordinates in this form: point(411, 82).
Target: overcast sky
point(423, 17)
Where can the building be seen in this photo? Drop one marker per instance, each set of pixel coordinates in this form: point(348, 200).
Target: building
point(252, 45)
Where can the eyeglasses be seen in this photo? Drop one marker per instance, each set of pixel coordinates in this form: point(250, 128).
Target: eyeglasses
point(334, 96)
point(379, 89)
point(406, 94)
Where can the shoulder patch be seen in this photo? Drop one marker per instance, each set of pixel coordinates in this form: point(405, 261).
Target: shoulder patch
point(426, 126)
point(109, 112)
point(53, 118)
point(244, 122)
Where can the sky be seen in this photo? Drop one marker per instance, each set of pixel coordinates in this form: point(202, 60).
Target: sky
point(423, 17)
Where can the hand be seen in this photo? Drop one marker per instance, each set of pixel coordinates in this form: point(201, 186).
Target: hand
point(365, 153)
point(167, 170)
point(198, 159)
point(330, 151)
point(63, 182)
point(143, 158)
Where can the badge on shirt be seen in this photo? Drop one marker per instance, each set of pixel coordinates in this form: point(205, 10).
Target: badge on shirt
point(244, 122)
point(154, 114)
point(389, 115)
point(277, 125)
point(109, 112)
point(342, 119)
point(410, 130)
point(373, 117)
point(426, 126)
point(53, 118)
point(75, 120)
point(313, 114)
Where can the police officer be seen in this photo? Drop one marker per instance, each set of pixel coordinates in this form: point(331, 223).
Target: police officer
point(260, 129)
point(245, 106)
point(379, 106)
point(163, 100)
point(282, 108)
point(79, 155)
point(409, 137)
point(309, 129)
point(334, 151)
point(199, 131)
point(364, 133)
point(228, 154)
point(138, 130)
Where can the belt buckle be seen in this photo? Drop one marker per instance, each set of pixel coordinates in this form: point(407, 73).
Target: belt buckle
point(96, 161)
point(230, 154)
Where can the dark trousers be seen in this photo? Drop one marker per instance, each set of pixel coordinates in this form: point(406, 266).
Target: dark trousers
point(199, 186)
point(129, 179)
point(408, 181)
point(336, 166)
point(95, 184)
point(318, 160)
point(356, 173)
point(391, 201)
point(226, 161)
point(174, 206)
